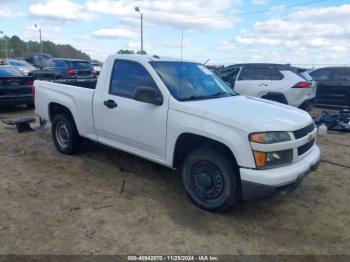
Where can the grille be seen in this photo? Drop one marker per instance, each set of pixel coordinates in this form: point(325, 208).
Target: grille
point(304, 131)
point(304, 148)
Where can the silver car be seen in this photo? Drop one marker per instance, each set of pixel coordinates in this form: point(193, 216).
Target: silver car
point(22, 65)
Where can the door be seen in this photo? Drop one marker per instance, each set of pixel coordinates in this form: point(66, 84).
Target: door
point(130, 125)
point(254, 81)
point(342, 75)
point(326, 86)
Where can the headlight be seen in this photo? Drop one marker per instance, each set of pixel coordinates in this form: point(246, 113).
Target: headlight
point(272, 159)
point(269, 137)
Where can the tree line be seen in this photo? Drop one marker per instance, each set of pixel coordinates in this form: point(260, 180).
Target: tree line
point(127, 51)
point(16, 47)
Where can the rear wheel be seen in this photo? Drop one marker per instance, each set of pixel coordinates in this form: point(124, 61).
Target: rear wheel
point(65, 134)
point(210, 180)
point(276, 97)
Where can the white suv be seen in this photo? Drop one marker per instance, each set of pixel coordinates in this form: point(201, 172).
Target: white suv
point(281, 83)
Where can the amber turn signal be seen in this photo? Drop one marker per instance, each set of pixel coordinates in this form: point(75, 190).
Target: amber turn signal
point(260, 159)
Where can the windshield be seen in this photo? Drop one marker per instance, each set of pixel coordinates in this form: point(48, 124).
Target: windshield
point(18, 63)
point(191, 81)
point(81, 65)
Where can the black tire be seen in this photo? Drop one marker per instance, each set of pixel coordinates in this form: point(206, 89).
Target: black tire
point(210, 180)
point(65, 134)
point(276, 97)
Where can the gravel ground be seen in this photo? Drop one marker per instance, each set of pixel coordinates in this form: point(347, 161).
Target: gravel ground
point(104, 201)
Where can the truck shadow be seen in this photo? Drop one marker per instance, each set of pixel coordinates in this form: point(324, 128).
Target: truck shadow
point(164, 185)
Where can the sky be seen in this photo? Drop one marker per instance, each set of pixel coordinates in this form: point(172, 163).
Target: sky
point(299, 32)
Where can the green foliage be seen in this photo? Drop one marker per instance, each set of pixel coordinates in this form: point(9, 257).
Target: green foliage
point(125, 51)
point(143, 52)
point(20, 48)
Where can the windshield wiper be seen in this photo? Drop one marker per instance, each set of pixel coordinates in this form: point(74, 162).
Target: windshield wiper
point(193, 98)
point(218, 94)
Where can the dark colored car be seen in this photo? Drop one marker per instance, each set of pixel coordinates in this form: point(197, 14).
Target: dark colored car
point(333, 85)
point(71, 68)
point(43, 74)
point(15, 87)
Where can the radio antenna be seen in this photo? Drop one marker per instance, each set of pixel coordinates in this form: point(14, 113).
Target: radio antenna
point(182, 39)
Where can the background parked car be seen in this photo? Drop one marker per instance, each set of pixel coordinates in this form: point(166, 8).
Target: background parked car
point(281, 83)
point(333, 85)
point(38, 60)
point(71, 68)
point(97, 68)
point(15, 87)
point(43, 74)
point(22, 65)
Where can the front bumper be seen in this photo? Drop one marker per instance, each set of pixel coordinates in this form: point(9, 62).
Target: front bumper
point(260, 184)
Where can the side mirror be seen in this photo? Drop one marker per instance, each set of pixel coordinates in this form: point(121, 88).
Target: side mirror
point(148, 95)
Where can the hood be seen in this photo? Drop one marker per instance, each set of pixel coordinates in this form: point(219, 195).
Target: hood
point(247, 113)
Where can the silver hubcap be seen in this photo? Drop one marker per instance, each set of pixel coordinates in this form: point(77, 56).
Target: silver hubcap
point(62, 134)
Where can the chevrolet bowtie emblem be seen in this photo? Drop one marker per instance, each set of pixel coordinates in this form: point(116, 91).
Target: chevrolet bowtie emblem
point(310, 137)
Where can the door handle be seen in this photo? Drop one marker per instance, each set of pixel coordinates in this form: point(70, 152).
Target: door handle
point(262, 84)
point(110, 103)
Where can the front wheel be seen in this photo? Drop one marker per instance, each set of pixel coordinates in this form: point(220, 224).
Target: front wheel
point(65, 134)
point(210, 179)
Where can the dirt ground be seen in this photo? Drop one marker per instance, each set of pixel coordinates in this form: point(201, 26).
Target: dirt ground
point(104, 201)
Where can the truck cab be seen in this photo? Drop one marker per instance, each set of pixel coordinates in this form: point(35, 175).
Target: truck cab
point(179, 114)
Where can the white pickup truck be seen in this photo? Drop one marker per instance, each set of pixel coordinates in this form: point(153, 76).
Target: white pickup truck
point(179, 114)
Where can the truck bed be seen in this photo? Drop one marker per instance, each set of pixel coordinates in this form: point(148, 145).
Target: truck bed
point(85, 83)
point(77, 98)
point(50, 76)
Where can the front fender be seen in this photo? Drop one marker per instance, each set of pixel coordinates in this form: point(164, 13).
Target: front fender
point(236, 140)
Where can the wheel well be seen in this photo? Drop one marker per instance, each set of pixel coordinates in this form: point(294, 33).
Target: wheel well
point(187, 142)
point(277, 97)
point(55, 109)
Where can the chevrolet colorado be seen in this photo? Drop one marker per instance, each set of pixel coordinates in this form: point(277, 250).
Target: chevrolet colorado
point(179, 114)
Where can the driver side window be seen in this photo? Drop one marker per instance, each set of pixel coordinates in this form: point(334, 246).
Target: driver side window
point(320, 75)
point(127, 76)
